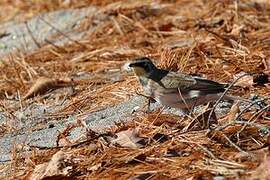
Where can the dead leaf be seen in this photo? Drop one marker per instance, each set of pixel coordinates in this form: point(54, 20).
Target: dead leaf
point(236, 30)
point(262, 172)
point(261, 79)
point(233, 112)
point(258, 155)
point(246, 81)
point(251, 80)
point(95, 167)
point(262, 1)
point(44, 84)
point(58, 167)
point(128, 138)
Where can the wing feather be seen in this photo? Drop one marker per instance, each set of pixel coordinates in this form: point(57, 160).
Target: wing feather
point(185, 82)
point(176, 80)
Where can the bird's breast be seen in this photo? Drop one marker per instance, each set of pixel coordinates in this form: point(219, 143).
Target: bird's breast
point(155, 90)
point(166, 96)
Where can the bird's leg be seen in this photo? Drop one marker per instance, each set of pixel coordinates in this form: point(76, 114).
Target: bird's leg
point(149, 100)
point(193, 107)
point(213, 119)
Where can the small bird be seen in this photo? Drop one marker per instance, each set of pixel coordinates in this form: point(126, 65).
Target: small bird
point(176, 90)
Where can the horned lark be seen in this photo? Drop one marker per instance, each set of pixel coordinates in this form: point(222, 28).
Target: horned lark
point(173, 89)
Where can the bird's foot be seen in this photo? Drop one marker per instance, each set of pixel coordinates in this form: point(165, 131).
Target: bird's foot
point(149, 101)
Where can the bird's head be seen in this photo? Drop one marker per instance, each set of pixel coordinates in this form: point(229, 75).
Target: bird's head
point(143, 67)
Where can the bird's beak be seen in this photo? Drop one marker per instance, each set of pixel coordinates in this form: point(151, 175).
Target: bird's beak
point(136, 67)
point(130, 65)
point(133, 64)
point(126, 67)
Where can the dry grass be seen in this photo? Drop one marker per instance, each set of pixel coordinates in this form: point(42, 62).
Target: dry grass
point(22, 10)
point(215, 39)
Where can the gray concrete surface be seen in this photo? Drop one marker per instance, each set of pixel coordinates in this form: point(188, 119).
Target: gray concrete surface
point(97, 121)
point(27, 37)
point(16, 36)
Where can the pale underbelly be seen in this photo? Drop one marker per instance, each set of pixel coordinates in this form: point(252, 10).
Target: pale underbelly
point(175, 100)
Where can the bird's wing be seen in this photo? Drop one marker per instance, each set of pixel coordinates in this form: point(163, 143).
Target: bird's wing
point(177, 80)
point(184, 82)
